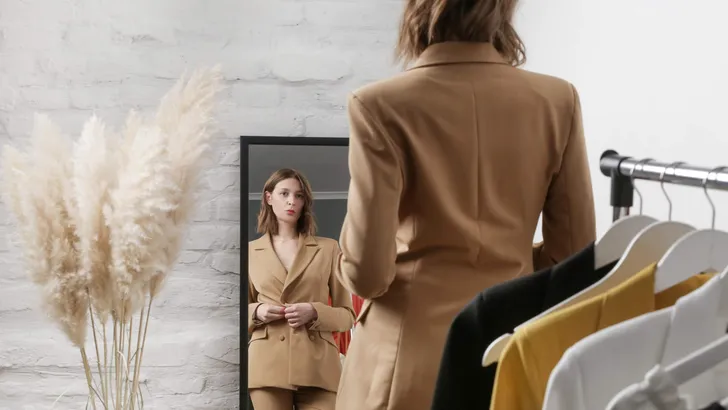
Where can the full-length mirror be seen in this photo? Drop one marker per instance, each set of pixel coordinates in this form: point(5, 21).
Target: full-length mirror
point(297, 313)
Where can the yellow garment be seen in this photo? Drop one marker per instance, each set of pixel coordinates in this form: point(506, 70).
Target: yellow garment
point(534, 350)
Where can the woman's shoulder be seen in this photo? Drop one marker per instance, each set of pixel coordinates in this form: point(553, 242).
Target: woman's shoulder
point(393, 87)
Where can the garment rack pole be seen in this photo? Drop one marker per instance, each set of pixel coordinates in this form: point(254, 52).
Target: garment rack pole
point(622, 169)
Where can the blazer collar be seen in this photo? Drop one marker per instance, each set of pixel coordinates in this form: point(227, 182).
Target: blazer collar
point(307, 249)
point(456, 52)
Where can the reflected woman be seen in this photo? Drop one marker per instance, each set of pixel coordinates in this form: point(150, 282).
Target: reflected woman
point(293, 358)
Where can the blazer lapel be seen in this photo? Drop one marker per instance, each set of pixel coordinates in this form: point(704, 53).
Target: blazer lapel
point(306, 251)
point(270, 259)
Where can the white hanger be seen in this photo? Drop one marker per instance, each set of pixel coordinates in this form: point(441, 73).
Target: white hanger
point(698, 362)
point(700, 251)
point(647, 247)
point(612, 245)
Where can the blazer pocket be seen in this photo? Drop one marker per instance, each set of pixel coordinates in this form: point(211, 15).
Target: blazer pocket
point(329, 338)
point(364, 310)
point(258, 334)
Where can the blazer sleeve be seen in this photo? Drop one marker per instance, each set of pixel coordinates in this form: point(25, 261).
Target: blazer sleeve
point(371, 222)
point(539, 261)
point(339, 317)
point(253, 305)
point(568, 215)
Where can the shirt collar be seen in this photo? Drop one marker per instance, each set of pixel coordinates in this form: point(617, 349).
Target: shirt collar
point(699, 315)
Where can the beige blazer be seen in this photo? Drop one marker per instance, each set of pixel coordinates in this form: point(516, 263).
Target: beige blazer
point(280, 356)
point(451, 164)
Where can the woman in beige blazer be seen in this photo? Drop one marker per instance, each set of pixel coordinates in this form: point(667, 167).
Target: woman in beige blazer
point(451, 162)
point(293, 358)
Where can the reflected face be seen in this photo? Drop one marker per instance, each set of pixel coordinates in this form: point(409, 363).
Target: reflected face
point(287, 200)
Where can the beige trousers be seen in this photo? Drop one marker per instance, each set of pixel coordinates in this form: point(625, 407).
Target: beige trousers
point(305, 398)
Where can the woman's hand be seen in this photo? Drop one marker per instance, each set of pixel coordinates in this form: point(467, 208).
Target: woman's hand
point(268, 313)
point(300, 314)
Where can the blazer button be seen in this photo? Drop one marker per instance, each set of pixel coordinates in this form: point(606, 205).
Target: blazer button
point(282, 338)
point(311, 337)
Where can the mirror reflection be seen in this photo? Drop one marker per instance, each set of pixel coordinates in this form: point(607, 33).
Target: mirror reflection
point(299, 316)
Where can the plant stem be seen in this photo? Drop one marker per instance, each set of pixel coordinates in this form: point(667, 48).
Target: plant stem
point(87, 369)
point(128, 362)
point(136, 358)
point(105, 375)
point(96, 346)
point(140, 353)
point(119, 356)
point(116, 361)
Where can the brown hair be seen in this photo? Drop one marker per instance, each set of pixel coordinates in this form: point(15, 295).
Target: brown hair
point(427, 22)
point(267, 221)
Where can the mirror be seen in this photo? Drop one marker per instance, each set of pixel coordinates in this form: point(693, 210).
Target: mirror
point(323, 162)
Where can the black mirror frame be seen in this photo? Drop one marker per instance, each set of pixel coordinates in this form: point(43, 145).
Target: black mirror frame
point(245, 143)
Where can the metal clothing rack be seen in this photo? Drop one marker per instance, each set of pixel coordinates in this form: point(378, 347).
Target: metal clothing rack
point(623, 170)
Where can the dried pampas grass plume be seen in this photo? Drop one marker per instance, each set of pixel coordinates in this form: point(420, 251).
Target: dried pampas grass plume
point(36, 185)
point(93, 178)
point(102, 222)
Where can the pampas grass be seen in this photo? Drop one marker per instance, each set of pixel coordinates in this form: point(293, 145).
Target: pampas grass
point(102, 219)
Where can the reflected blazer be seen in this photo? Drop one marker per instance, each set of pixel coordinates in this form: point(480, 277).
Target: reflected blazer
point(280, 356)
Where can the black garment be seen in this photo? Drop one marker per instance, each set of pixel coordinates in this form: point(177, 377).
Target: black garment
point(714, 406)
point(462, 383)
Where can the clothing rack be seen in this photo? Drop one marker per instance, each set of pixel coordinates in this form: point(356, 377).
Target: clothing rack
point(622, 170)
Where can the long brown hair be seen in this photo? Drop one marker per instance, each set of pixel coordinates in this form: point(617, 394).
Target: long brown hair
point(267, 221)
point(427, 22)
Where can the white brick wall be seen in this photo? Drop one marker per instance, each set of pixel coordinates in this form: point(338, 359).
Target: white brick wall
point(289, 65)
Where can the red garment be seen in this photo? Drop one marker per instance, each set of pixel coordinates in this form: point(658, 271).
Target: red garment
point(358, 303)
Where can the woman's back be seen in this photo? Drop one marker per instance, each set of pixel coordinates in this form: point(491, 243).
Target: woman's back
point(452, 162)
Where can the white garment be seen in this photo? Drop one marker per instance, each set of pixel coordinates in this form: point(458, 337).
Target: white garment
point(594, 370)
point(656, 392)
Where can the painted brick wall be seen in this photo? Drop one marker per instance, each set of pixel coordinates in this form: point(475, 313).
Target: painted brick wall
point(289, 65)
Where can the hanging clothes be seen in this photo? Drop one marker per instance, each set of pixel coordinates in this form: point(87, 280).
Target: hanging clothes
point(535, 349)
point(659, 338)
point(462, 383)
